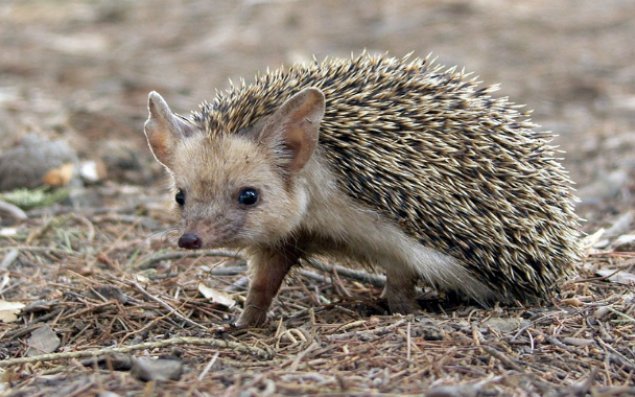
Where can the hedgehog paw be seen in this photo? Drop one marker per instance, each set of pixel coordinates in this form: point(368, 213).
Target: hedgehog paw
point(402, 299)
point(404, 306)
point(251, 317)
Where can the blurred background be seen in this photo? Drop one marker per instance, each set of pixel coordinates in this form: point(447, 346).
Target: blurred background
point(80, 71)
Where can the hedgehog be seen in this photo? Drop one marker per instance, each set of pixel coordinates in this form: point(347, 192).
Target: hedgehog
point(399, 164)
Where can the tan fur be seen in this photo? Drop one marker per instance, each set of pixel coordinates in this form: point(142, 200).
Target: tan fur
point(214, 172)
point(163, 129)
point(297, 123)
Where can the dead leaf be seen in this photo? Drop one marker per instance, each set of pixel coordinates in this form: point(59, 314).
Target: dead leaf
point(575, 302)
point(591, 241)
point(142, 279)
point(216, 296)
point(60, 176)
point(43, 340)
point(9, 311)
point(93, 171)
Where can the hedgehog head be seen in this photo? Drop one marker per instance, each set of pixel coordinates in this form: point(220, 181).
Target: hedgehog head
point(238, 189)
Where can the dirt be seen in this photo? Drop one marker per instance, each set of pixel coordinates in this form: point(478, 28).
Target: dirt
point(80, 71)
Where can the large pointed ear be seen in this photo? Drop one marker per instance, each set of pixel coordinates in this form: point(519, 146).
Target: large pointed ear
point(293, 130)
point(164, 129)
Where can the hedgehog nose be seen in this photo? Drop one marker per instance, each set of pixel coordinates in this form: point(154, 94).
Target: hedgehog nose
point(190, 241)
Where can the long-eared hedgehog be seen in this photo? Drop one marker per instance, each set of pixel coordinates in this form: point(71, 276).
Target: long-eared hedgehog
point(399, 164)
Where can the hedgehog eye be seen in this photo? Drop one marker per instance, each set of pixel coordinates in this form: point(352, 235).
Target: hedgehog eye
point(180, 197)
point(248, 196)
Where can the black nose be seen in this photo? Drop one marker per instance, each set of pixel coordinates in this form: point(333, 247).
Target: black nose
point(190, 241)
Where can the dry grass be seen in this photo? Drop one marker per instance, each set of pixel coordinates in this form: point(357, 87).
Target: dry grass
point(95, 279)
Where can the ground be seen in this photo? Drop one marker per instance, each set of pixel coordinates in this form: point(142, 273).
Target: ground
point(99, 272)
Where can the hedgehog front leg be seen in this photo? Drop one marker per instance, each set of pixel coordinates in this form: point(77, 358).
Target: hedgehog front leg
point(268, 268)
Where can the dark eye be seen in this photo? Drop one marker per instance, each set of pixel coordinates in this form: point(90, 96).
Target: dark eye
point(248, 196)
point(180, 198)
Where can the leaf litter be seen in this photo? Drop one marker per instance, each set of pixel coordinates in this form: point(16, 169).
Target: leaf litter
point(168, 322)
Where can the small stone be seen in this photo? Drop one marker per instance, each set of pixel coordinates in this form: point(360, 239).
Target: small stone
point(110, 292)
point(601, 312)
point(506, 324)
point(25, 165)
point(147, 369)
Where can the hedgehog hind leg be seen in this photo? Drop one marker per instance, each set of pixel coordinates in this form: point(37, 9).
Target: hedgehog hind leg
point(447, 273)
point(401, 293)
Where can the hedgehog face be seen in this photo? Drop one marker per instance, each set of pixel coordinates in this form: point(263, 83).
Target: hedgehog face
point(230, 194)
point(241, 189)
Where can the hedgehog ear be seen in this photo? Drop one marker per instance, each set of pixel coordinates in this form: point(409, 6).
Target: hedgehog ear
point(293, 130)
point(164, 129)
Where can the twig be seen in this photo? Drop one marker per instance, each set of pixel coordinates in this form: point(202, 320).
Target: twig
point(619, 313)
point(209, 366)
point(616, 355)
point(148, 262)
point(376, 331)
point(13, 210)
point(166, 306)
point(9, 258)
point(39, 249)
point(211, 342)
point(358, 275)
point(90, 235)
point(374, 279)
point(53, 211)
point(298, 357)
point(408, 342)
point(314, 276)
point(598, 278)
point(502, 358)
point(228, 270)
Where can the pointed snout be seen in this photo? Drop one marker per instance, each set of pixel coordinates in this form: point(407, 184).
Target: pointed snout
point(190, 241)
